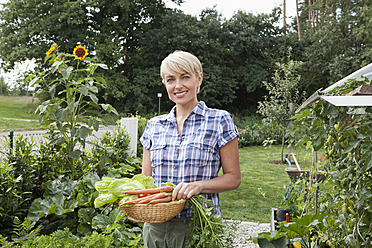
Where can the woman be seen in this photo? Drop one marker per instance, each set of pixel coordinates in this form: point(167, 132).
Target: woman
point(187, 147)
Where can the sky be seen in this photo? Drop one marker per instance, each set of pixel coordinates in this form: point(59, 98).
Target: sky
point(194, 7)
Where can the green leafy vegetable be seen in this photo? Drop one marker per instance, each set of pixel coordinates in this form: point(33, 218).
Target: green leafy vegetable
point(111, 189)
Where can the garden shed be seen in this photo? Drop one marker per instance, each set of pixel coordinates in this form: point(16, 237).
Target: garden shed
point(362, 96)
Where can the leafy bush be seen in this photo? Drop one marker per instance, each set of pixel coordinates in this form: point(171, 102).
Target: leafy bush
point(262, 131)
point(27, 236)
point(48, 195)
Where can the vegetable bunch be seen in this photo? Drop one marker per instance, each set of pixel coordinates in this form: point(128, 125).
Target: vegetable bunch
point(207, 230)
point(153, 196)
point(113, 189)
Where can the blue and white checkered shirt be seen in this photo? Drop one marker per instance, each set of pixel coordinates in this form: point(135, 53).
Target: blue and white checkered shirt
point(195, 155)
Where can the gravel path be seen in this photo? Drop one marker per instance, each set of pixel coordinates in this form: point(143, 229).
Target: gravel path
point(248, 230)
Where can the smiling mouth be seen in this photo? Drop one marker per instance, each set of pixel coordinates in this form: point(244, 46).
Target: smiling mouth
point(181, 93)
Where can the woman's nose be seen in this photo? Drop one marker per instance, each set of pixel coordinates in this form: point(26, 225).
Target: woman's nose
point(178, 83)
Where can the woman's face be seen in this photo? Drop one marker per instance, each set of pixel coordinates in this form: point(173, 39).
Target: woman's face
point(182, 88)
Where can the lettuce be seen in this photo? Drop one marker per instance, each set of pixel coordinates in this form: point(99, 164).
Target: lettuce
point(111, 189)
point(103, 199)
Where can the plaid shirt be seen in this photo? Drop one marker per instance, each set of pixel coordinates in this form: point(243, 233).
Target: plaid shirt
point(194, 156)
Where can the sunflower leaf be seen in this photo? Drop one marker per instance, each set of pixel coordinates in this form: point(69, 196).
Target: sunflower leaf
point(66, 72)
point(101, 80)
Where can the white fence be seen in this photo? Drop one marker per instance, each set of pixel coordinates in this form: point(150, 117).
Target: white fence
point(39, 136)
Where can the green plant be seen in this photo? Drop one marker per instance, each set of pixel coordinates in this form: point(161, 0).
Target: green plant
point(26, 236)
point(18, 182)
point(73, 101)
point(283, 97)
point(307, 230)
point(69, 204)
point(263, 130)
point(32, 183)
point(207, 230)
point(346, 139)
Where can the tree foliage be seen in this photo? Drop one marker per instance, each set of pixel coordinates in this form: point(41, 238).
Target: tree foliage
point(284, 97)
point(132, 38)
point(338, 40)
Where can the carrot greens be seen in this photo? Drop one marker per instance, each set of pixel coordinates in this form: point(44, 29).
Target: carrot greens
point(207, 230)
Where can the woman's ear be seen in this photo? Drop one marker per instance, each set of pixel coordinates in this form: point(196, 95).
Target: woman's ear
point(200, 80)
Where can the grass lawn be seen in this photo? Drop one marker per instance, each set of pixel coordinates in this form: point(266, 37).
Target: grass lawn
point(15, 110)
point(263, 185)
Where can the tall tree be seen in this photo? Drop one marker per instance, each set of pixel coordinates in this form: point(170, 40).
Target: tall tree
point(254, 45)
point(298, 21)
point(338, 40)
point(284, 15)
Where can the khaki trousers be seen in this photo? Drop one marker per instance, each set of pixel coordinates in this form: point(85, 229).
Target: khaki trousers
point(169, 234)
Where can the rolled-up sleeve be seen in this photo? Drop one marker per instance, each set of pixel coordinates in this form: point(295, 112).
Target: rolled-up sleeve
point(228, 130)
point(146, 137)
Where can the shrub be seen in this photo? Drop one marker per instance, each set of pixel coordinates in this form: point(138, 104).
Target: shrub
point(261, 131)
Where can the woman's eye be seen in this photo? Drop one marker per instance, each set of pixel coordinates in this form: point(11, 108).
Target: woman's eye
point(186, 77)
point(170, 80)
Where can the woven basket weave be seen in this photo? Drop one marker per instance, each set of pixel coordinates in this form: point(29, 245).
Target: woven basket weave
point(154, 213)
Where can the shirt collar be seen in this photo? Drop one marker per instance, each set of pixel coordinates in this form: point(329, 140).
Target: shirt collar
point(199, 109)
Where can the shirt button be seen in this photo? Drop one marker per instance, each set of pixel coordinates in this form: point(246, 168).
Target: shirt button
point(186, 122)
point(183, 137)
point(174, 167)
point(176, 149)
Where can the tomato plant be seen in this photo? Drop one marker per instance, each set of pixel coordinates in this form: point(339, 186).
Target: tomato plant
point(344, 135)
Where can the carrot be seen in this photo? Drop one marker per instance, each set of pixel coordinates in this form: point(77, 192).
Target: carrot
point(137, 200)
point(150, 191)
point(161, 200)
point(134, 201)
point(152, 197)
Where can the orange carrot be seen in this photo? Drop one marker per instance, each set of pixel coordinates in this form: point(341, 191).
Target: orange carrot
point(134, 201)
point(130, 202)
point(152, 197)
point(137, 200)
point(161, 200)
point(150, 191)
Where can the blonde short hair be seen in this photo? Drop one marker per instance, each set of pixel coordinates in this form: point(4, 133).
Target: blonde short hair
point(180, 62)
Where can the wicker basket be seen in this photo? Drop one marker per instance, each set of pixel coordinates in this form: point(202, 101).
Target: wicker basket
point(154, 213)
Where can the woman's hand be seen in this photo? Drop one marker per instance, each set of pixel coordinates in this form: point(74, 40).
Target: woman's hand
point(186, 190)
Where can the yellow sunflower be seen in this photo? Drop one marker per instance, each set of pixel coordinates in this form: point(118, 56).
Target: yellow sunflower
point(51, 49)
point(80, 52)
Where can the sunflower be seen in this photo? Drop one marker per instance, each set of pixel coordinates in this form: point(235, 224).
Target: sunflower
point(51, 49)
point(80, 52)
